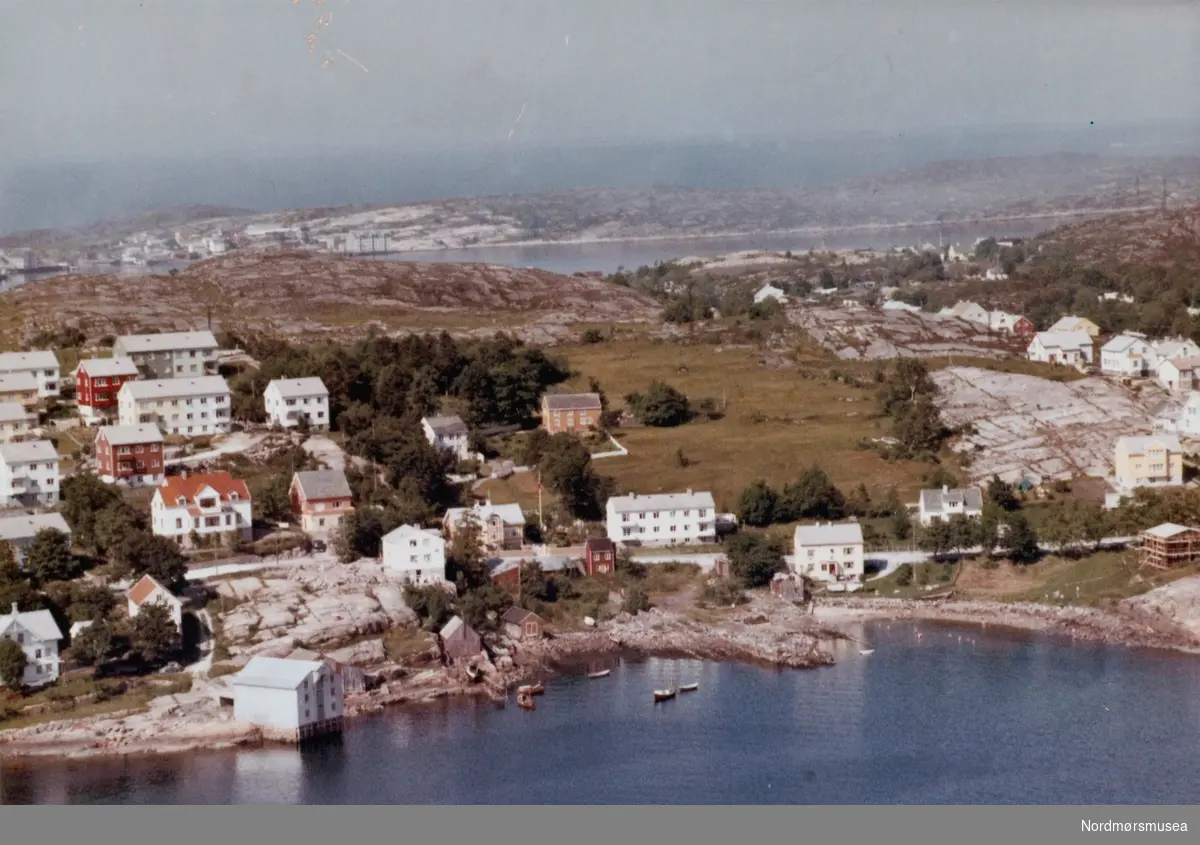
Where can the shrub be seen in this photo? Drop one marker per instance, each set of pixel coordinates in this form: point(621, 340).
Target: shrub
point(904, 574)
point(723, 592)
point(636, 600)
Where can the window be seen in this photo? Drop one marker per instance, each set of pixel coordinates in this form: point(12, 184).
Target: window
point(138, 449)
point(810, 554)
point(100, 382)
point(37, 654)
point(228, 519)
point(847, 551)
point(179, 524)
point(21, 639)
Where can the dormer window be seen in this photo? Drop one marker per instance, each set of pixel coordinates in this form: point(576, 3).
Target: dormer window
point(182, 500)
point(233, 497)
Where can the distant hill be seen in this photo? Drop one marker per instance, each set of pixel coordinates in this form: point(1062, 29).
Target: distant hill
point(1168, 239)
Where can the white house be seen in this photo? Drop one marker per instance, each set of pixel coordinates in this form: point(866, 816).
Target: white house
point(1073, 348)
point(1185, 420)
point(971, 312)
point(209, 505)
point(500, 526)
point(1113, 296)
point(16, 422)
point(1168, 348)
point(37, 634)
point(946, 502)
point(830, 551)
point(662, 519)
point(994, 275)
point(417, 555)
point(42, 364)
point(293, 699)
point(19, 531)
point(769, 291)
point(148, 591)
point(447, 433)
point(183, 406)
point(1179, 373)
point(288, 400)
point(170, 354)
point(28, 474)
point(1076, 324)
point(1126, 355)
point(21, 388)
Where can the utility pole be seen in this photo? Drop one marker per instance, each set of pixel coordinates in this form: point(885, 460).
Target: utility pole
point(541, 521)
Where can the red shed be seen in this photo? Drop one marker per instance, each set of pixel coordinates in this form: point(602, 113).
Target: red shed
point(522, 624)
point(600, 556)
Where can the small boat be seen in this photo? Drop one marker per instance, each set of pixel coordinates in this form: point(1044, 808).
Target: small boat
point(525, 701)
point(689, 687)
point(531, 689)
point(665, 694)
point(865, 652)
point(603, 673)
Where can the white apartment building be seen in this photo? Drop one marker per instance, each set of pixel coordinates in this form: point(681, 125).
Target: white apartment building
point(288, 400)
point(292, 699)
point(417, 555)
point(830, 551)
point(449, 434)
point(19, 531)
point(42, 364)
point(37, 634)
point(170, 354)
point(184, 406)
point(21, 388)
point(28, 474)
point(662, 519)
point(16, 422)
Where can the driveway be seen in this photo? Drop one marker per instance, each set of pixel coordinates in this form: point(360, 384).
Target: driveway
point(241, 441)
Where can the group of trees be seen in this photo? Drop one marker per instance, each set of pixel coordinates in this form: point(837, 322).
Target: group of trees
point(811, 496)
point(661, 406)
point(754, 558)
point(906, 395)
point(1011, 532)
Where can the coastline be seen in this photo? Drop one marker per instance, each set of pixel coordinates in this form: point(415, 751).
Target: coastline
point(767, 631)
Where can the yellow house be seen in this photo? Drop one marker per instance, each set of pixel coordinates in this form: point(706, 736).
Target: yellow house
point(1155, 460)
point(1076, 324)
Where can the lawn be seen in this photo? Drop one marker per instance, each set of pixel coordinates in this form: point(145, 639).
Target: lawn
point(519, 488)
point(927, 578)
point(79, 698)
point(775, 423)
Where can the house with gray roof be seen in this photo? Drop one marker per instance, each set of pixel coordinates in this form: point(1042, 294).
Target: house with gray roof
point(829, 551)
point(448, 433)
point(37, 634)
point(947, 502)
point(289, 699)
point(320, 499)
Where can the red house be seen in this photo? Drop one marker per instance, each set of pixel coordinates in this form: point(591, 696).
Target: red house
point(1024, 327)
point(130, 454)
point(97, 383)
point(600, 556)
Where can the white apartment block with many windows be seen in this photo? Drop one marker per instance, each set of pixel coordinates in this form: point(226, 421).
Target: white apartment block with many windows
point(28, 474)
point(41, 364)
point(170, 354)
point(289, 400)
point(662, 519)
point(184, 406)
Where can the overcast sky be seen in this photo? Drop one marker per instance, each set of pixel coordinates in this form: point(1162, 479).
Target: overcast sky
point(94, 79)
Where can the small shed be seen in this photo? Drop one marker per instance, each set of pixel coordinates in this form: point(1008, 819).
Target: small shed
point(460, 642)
point(522, 624)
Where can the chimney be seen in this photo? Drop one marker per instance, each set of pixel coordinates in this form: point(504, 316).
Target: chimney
point(689, 491)
point(14, 613)
point(945, 488)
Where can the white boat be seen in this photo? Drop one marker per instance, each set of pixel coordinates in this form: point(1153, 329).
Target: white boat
point(866, 651)
point(689, 687)
point(603, 673)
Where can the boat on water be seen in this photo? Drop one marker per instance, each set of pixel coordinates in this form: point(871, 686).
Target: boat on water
point(532, 689)
point(689, 687)
point(603, 673)
point(525, 701)
point(665, 694)
point(865, 652)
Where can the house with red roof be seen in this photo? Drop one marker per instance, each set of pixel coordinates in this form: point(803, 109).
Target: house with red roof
point(148, 591)
point(202, 507)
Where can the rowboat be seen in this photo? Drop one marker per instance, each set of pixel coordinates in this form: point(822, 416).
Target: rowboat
point(525, 701)
point(689, 687)
point(866, 651)
point(665, 694)
point(531, 689)
point(603, 673)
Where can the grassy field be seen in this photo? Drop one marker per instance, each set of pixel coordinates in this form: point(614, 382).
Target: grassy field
point(775, 424)
point(927, 578)
point(520, 488)
point(80, 698)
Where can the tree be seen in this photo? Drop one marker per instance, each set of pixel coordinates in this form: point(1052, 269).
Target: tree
point(813, 496)
point(936, 539)
point(1064, 528)
point(566, 468)
point(661, 406)
point(94, 645)
point(83, 497)
point(113, 524)
point(964, 532)
point(858, 503)
point(989, 528)
point(919, 428)
point(12, 664)
point(482, 608)
point(1001, 494)
point(635, 600)
point(754, 558)
point(901, 524)
point(147, 554)
point(153, 634)
point(908, 380)
point(14, 584)
point(49, 557)
point(465, 564)
point(272, 498)
point(534, 446)
point(1095, 523)
point(89, 601)
point(757, 504)
point(1021, 540)
point(431, 604)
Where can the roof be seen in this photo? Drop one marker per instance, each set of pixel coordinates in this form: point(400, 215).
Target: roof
point(128, 435)
point(142, 590)
point(12, 382)
point(828, 534)
point(13, 411)
point(1167, 530)
point(1138, 445)
point(660, 502)
point(451, 628)
point(26, 526)
point(275, 672)
point(600, 544)
point(303, 654)
point(1063, 339)
point(499, 565)
point(108, 367)
point(571, 401)
point(28, 452)
point(224, 483)
point(1069, 323)
point(172, 387)
point(519, 615)
point(166, 341)
point(324, 484)
point(1184, 364)
point(511, 514)
point(405, 531)
point(1122, 342)
point(446, 425)
point(935, 500)
point(40, 623)
point(296, 387)
point(39, 359)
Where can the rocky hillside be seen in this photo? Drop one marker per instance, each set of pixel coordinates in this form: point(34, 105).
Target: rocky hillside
point(310, 294)
point(1165, 239)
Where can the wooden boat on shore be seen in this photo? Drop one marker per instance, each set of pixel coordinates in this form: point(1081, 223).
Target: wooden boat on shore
point(689, 687)
point(603, 673)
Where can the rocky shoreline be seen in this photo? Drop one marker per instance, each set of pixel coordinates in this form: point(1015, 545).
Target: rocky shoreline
point(767, 631)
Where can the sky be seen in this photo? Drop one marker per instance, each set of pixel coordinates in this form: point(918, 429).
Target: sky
point(122, 79)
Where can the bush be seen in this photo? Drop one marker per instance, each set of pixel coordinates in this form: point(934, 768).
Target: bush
point(723, 592)
point(904, 574)
point(636, 600)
